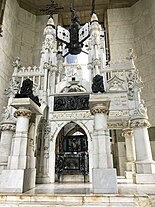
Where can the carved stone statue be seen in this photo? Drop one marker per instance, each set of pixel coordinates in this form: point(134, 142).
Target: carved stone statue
point(97, 85)
point(27, 92)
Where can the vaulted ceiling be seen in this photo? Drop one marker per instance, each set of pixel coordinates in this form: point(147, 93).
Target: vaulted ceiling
point(83, 8)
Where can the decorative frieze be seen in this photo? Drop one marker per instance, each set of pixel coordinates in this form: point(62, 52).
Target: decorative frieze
point(119, 113)
point(65, 103)
point(22, 112)
point(72, 115)
point(115, 125)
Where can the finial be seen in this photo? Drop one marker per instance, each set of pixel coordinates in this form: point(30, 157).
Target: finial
point(16, 62)
point(51, 9)
point(50, 22)
point(94, 18)
point(131, 57)
point(93, 7)
point(74, 16)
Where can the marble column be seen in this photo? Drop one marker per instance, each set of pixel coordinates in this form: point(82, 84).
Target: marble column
point(145, 166)
point(20, 174)
point(104, 176)
point(7, 131)
point(130, 152)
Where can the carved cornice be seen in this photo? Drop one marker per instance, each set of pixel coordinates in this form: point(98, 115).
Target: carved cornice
point(7, 127)
point(99, 109)
point(139, 123)
point(23, 112)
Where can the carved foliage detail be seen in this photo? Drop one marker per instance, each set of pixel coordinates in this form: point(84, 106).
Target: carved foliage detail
point(19, 112)
point(133, 81)
point(127, 132)
point(140, 123)
point(6, 127)
point(99, 109)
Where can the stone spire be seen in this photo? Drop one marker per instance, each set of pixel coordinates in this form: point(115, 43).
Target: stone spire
point(48, 62)
point(97, 55)
point(49, 45)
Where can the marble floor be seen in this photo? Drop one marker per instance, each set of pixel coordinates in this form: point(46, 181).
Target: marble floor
point(125, 187)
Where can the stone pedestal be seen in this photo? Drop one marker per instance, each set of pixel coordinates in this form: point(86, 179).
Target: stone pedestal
point(145, 166)
point(21, 173)
point(104, 180)
point(102, 158)
point(130, 152)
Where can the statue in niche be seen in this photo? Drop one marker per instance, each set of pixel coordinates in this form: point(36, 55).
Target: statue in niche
point(27, 92)
point(97, 85)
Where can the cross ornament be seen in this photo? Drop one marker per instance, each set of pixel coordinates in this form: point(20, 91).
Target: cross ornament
point(51, 9)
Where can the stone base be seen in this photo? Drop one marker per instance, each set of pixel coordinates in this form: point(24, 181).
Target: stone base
point(43, 180)
point(145, 167)
point(73, 178)
point(144, 178)
point(73, 200)
point(130, 166)
point(104, 180)
point(17, 180)
point(129, 174)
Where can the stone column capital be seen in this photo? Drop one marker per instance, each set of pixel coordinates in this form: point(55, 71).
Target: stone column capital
point(46, 66)
point(23, 112)
point(127, 133)
point(97, 62)
point(99, 103)
point(7, 127)
point(99, 109)
point(134, 123)
point(53, 68)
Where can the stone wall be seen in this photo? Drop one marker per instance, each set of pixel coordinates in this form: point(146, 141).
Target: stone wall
point(22, 37)
point(134, 27)
point(18, 40)
point(7, 46)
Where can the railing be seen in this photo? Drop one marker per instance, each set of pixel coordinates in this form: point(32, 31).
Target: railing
point(31, 72)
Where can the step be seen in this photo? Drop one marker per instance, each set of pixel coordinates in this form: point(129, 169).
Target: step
point(37, 200)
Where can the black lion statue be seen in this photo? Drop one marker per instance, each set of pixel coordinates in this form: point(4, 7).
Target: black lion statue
point(27, 92)
point(97, 85)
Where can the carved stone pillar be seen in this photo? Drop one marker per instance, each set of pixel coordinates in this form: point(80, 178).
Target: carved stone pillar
point(145, 166)
point(7, 131)
point(20, 174)
point(104, 177)
point(101, 137)
point(19, 146)
point(130, 152)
